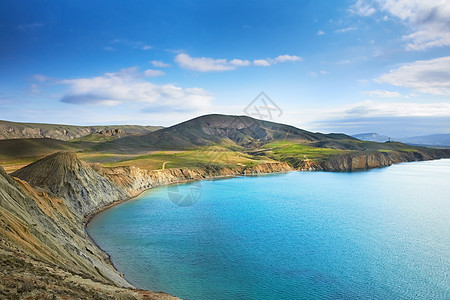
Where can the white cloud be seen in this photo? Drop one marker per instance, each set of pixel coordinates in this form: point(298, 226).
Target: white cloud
point(240, 63)
point(426, 76)
point(285, 58)
point(430, 20)
point(159, 64)
point(128, 86)
point(261, 62)
point(320, 32)
point(347, 29)
point(362, 8)
point(384, 94)
point(207, 64)
point(153, 73)
point(203, 64)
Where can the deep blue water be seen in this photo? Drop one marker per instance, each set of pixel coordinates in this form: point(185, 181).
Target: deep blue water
point(378, 234)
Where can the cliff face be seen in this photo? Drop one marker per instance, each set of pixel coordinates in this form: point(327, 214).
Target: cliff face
point(44, 250)
point(369, 160)
point(68, 178)
point(135, 180)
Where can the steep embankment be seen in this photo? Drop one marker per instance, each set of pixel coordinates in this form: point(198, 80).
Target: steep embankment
point(370, 160)
point(44, 250)
point(43, 246)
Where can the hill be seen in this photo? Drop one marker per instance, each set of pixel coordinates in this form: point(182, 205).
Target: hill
point(235, 132)
point(14, 130)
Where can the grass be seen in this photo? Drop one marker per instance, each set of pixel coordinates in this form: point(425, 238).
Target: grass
point(215, 155)
point(295, 153)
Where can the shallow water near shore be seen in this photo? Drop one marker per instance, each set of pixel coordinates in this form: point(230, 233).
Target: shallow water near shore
point(379, 234)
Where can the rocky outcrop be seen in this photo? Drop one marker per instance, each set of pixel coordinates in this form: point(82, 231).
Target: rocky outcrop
point(370, 160)
point(110, 132)
point(68, 178)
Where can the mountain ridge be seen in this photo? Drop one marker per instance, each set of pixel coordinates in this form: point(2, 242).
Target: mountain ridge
point(17, 130)
point(207, 130)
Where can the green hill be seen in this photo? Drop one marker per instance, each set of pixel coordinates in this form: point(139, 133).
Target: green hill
point(234, 132)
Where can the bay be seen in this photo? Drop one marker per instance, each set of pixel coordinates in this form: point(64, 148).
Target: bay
point(378, 234)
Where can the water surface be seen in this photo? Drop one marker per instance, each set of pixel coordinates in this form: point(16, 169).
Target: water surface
point(379, 234)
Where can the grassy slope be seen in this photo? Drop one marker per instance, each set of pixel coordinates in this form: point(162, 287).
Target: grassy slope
point(215, 155)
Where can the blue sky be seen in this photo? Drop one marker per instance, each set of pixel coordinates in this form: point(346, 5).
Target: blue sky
point(332, 66)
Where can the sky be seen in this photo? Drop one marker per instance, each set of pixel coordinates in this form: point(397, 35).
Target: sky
point(330, 66)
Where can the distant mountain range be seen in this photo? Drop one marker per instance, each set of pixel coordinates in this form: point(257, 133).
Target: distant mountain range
point(15, 130)
point(435, 140)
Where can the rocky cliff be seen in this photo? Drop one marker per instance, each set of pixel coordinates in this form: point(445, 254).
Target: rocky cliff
point(44, 250)
point(370, 160)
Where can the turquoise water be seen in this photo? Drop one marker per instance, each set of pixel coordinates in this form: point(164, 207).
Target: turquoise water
point(378, 234)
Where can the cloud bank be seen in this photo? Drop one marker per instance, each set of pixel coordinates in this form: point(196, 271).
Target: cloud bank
point(426, 76)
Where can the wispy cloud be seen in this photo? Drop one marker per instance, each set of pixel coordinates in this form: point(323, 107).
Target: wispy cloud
point(320, 32)
point(159, 64)
point(347, 29)
point(207, 64)
point(362, 8)
point(384, 94)
point(131, 44)
point(426, 76)
point(317, 74)
point(40, 77)
point(371, 108)
point(129, 86)
point(430, 20)
point(153, 73)
point(30, 26)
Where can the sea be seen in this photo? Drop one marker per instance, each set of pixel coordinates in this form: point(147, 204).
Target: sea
point(377, 234)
